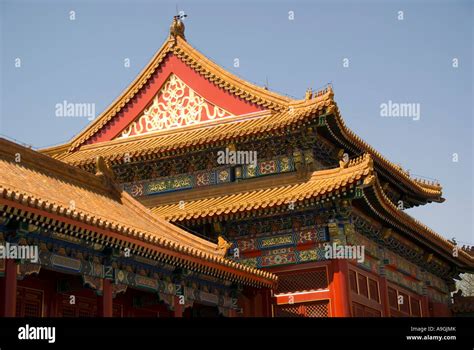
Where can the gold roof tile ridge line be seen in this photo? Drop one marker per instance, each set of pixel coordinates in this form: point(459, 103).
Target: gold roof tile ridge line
point(125, 96)
point(117, 226)
point(184, 50)
point(63, 208)
point(29, 200)
point(226, 130)
point(169, 132)
point(181, 234)
point(81, 156)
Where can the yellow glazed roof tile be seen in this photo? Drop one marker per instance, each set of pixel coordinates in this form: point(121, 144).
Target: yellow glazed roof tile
point(317, 184)
point(43, 183)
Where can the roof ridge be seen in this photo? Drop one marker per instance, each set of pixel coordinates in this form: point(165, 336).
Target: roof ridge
point(196, 61)
point(183, 50)
point(212, 247)
point(124, 97)
point(75, 176)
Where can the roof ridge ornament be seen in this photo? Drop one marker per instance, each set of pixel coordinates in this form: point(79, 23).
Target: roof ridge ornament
point(177, 26)
point(222, 245)
point(105, 172)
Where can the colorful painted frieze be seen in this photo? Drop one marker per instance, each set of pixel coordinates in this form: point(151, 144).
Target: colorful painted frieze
point(370, 247)
point(179, 182)
point(268, 167)
point(404, 281)
point(404, 266)
point(285, 256)
point(291, 238)
point(436, 283)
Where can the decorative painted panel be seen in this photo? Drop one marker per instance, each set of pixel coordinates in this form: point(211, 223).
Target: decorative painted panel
point(175, 105)
point(436, 283)
point(282, 164)
point(178, 182)
point(402, 280)
point(401, 264)
point(291, 238)
point(285, 256)
point(292, 247)
point(370, 246)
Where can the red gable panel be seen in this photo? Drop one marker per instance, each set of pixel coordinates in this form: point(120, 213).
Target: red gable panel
point(218, 101)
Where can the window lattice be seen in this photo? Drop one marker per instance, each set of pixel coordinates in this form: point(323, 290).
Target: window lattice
point(29, 302)
point(317, 309)
point(289, 311)
point(374, 290)
point(312, 309)
point(302, 281)
point(68, 312)
point(32, 310)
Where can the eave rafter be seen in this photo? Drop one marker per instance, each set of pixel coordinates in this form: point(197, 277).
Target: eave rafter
point(384, 209)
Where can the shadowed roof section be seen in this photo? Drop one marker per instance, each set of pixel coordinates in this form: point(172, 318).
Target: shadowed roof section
point(34, 182)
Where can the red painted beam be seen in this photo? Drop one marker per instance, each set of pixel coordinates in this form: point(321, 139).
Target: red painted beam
point(302, 297)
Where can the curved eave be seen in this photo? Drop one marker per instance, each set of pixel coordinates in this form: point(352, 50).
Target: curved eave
point(421, 191)
point(196, 137)
point(319, 186)
point(385, 210)
point(152, 247)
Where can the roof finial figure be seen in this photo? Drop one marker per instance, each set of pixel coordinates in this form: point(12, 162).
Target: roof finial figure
point(309, 94)
point(177, 27)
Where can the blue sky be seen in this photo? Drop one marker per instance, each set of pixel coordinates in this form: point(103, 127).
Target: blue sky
point(408, 61)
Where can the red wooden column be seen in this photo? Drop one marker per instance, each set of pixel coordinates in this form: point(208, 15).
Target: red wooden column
point(384, 296)
point(178, 308)
point(266, 302)
point(9, 288)
point(106, 300)
point(340, 287)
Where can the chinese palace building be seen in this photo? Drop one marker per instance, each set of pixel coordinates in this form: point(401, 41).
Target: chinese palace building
point(158, 208)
